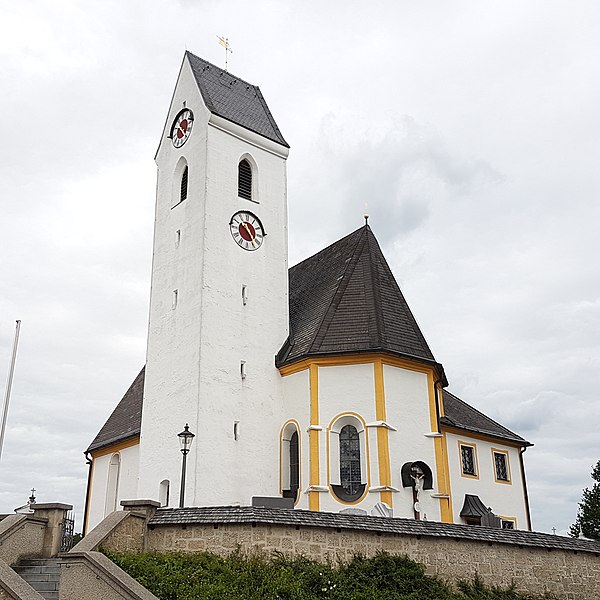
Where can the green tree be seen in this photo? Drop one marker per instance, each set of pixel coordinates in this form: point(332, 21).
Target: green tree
point(588, 515)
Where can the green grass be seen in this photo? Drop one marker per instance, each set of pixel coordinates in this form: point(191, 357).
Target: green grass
point(205, 576)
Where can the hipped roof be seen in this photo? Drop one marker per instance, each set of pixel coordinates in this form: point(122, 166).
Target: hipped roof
point(345, 299)
point(234, 99)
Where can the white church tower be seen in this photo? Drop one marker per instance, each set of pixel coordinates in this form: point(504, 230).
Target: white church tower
point(219, 301)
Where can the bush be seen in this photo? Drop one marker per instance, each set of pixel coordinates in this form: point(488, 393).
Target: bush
point(205, 576)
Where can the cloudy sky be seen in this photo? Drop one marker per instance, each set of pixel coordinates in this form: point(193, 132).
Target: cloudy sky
point(471, 130)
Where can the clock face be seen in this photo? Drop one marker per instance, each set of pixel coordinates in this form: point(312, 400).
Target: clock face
point(247, 230)
point(182, 127)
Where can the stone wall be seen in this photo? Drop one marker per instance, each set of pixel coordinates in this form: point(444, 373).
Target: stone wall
point(568, 574)
point(21, 536)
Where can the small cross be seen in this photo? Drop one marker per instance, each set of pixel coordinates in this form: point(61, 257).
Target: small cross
point(554, 530)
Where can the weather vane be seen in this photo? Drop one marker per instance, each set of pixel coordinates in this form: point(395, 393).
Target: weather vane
point(225, 43)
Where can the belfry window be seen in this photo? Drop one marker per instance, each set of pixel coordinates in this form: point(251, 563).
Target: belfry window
point(245, 180)
point(183, 190)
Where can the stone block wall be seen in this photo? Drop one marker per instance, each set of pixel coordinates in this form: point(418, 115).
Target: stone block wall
point(567, 574)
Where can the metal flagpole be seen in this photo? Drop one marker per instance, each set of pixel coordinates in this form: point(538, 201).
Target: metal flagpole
point(9, 386)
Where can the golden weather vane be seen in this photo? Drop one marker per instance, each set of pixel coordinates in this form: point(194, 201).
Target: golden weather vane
point(225, 43)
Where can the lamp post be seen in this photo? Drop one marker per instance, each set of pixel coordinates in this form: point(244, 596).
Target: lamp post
point(186, 437)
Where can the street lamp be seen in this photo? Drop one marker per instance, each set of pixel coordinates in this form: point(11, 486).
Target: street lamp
point(186, 437)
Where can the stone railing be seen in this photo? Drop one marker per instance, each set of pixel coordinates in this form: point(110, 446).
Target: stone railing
point(21, 536)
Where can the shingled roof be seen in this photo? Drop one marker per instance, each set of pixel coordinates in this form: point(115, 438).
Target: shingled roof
point(234, 99)
point(345, 299)
point(125, 421)
point(461, 415)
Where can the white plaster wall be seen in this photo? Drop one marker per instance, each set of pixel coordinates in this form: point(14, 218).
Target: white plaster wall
point(296, 403)
point(347, 389)
point(127, 488)
point(194, 350)
point(505, 500)
point(408, 410)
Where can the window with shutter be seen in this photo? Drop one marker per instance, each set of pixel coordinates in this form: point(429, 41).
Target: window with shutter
point(184, 185)
point(245, 180)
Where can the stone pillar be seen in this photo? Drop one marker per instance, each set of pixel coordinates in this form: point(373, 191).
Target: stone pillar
point(55, 513)
point(146, 508)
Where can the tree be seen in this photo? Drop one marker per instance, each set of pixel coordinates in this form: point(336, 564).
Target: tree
point(588, 515)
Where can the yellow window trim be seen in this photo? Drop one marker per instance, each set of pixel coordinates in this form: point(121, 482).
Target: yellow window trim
point(474, 446)
point(505, 452)
point(367, 458)
point(297, 425)
point(513, 519)
point(115, 447)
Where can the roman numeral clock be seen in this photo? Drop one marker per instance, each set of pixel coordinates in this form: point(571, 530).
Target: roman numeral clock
point(247, 230)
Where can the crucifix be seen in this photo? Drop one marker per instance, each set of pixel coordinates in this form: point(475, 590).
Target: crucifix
point(417, 475)
point(225, 43)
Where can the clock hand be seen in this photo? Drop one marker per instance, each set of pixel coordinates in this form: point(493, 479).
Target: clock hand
point(248, 230)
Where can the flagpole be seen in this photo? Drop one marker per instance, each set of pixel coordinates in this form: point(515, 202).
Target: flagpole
point(9, 386)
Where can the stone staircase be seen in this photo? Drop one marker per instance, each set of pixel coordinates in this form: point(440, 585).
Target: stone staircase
point(42, 574)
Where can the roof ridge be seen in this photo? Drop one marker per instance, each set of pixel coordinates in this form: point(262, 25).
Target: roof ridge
point(338, 294)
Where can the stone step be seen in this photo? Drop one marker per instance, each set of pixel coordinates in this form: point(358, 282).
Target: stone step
point(43, 575)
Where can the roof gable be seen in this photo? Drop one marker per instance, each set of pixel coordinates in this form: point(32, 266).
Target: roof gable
point(234, 99)
point(346, 299)
point(125, 421)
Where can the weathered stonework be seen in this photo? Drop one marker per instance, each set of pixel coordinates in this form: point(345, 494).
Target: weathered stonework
point(21, 536)
point(567, 574)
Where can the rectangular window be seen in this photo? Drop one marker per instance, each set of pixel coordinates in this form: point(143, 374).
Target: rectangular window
point(175, 298)
point(501, 467)
point(468, 459)
point(508, 523)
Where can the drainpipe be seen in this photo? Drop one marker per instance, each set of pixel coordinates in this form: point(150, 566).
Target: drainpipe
point(437, 402)
point(88, 462)
point(523, 479)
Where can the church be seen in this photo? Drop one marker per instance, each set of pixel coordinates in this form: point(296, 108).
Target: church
point(311, 387)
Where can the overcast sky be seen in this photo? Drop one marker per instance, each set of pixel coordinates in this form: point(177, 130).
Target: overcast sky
point(470, 129)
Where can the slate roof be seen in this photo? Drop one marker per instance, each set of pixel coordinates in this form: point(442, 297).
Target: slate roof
point(125, 421)
point(458, 413)
point(305, 518)
point(345, 299)
point(234, 99)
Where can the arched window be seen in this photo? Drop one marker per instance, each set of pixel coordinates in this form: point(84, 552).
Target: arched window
point(183, 188)
point(348, 461)
point(290, 461)
point(163, 492)
point(245, 180)
point(112, 487)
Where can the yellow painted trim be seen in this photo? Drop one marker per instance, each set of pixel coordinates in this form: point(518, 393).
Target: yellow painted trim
point(479, 436)
point(115, 447)
point(505, 452)
point(513, 519)
point(383, 441)
point(441, 453)
point(313, 438)
point(367, 457)
point(339, 360)
point(297, 425)
point(474, 446)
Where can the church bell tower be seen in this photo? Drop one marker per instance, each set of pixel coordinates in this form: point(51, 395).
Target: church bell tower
point(219, 298)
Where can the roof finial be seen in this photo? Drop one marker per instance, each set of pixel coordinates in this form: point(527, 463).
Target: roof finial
point(225, 43)
point(366, 215)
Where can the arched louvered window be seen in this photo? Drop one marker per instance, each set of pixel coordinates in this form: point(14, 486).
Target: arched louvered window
point(184, 185)
point(350, 476)
point(294, 465)
point(245, 180)
point(112, 486)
